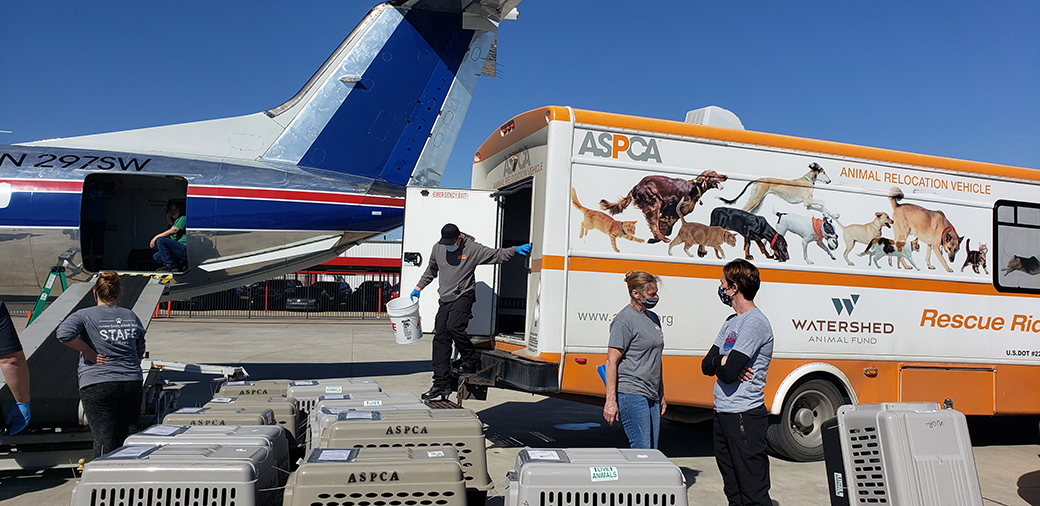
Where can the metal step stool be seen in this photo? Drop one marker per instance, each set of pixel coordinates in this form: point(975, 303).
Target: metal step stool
point(594, 476)
point(249, 415)
point(182, 475)
point(286, 415)
point(267, 436)
point(456, 428)
point(378, 476)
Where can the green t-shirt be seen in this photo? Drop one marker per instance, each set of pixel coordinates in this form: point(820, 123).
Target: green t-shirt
point(181, 229)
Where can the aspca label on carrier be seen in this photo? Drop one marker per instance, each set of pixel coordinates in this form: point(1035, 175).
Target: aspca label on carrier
point(604, 473)
point(406, 429)
point(252, 391)
point(207, 422)
point(373, 477)
point(605, 145)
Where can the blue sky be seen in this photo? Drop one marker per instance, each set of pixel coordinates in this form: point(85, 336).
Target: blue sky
point(957, 79)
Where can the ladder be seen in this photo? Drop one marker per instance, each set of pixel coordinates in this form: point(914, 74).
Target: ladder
point(57, 272)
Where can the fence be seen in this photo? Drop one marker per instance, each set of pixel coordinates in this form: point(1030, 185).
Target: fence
point(303, 294)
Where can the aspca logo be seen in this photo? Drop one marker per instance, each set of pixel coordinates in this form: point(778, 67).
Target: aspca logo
point(847, 304)
point(611, 145)
point(371, 477)
point(206, 422)
point(518, 160)
point(253, 391)
point(406, 429)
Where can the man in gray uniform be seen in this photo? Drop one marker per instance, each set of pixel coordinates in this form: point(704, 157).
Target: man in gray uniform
point(454, 259)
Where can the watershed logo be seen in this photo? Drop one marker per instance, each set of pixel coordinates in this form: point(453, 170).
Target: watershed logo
point(611, 145)
point(842, 330)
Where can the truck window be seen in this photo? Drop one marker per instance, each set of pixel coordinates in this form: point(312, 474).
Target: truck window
point(1016, 246)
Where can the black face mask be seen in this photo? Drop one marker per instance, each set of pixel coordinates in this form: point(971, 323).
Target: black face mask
point(724, 297)
point(650, 302)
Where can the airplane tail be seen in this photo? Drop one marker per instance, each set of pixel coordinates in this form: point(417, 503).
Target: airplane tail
point(386, 106)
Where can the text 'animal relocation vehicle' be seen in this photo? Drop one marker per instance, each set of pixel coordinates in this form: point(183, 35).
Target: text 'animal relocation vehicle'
point(894, 321)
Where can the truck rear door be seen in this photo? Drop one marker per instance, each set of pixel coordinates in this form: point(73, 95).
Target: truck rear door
point(476, 213)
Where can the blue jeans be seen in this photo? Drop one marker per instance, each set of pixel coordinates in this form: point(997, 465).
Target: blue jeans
point(171, 252)
point(641, 418)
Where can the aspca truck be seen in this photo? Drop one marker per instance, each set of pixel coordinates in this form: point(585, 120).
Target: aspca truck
point(887, 276)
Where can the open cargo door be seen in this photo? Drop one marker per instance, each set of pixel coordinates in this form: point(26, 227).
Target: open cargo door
point(476, 213)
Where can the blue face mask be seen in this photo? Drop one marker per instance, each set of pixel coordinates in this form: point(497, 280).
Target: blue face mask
point(724, 297)
point(452, 248)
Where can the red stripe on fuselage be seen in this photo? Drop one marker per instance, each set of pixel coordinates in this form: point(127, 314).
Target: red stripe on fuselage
point(44, 185)
point(297, 195)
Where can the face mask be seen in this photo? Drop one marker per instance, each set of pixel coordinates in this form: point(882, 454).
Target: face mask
point(452, 248)
point(650, 302)
point(725, 298)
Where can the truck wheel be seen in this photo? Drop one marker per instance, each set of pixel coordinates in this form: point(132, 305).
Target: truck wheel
point(797, 435)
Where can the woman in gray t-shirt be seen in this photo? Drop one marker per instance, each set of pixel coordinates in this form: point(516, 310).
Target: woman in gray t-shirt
point(110, 340)
point(635, 390)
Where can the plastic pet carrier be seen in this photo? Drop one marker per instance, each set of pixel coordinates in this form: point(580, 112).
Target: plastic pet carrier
point(267, 436)
point(306, 392)
point(378, 477)
point(333, 404)
point(248, 415)
point(182, 475)
point(457, 428)
point(595, 477)
point(286, 415)
point(900, 453)
point(323, 417)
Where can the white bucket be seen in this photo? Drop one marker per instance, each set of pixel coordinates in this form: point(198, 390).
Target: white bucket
point(404, 318)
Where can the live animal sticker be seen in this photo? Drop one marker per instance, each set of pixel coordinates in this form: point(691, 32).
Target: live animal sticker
point(373, 403)
point(604, 473)
point(334, 389)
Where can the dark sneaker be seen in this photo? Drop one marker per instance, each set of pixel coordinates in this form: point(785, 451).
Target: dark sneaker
point(437, 393)
point(167, 268)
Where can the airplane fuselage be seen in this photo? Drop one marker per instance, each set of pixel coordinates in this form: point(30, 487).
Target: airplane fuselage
point(245, 220)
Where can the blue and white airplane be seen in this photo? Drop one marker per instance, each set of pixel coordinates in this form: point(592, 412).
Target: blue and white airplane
point(266, 193)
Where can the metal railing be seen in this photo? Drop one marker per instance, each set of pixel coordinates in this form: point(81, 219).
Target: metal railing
point(303, 294)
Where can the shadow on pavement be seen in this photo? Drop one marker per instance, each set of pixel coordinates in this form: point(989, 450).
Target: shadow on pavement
point(556, 423)
point(1003, 430)
point(16, 483)
point(1029, 487)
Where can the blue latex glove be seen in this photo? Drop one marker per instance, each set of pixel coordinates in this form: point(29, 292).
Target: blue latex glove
point(415, 293)
point(18, 417)
point(524, 249)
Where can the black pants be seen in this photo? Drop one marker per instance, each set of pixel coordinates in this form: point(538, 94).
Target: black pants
point(110, 408)
point(740, 452)
point(450, 327)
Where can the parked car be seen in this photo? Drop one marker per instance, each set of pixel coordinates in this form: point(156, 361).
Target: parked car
point(320, 296)
point(370, 296)
point(272, 294)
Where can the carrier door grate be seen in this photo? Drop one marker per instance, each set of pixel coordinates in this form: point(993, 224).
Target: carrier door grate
point(403, 498)
point(163, 496)
point(868, 473)
point(587, 498)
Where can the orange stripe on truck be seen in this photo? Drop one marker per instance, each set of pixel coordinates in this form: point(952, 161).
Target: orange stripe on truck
point(621, 266)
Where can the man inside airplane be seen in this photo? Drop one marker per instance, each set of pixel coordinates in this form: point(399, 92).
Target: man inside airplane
point(16, 373)
point(172, 243)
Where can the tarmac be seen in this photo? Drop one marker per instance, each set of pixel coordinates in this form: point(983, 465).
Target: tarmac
point(1006, 449)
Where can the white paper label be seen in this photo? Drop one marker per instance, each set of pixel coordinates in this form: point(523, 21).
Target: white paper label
point(360, 415)
point(223, 400)
point(604, 473)
point(303, 384)
point(839, 485)
point(335, 455)
point(161, 430)
point(130, 452)
point(543, 455)
point(340, 397)
point(437, 453)
point(237, 383)
point(190, 411)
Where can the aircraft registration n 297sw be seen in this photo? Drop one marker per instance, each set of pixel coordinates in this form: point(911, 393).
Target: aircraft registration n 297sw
point(266, 193)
